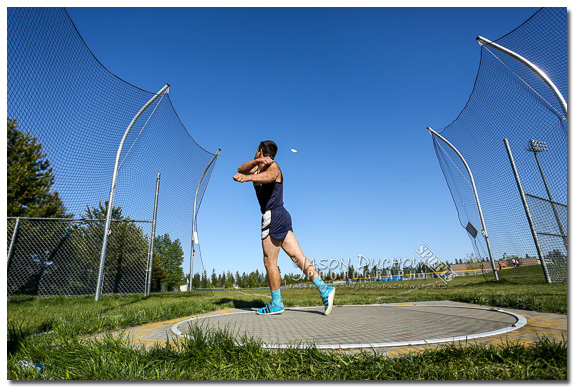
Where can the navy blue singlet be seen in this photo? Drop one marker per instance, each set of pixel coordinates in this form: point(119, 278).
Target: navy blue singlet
point(276, 221)
point(270, 195)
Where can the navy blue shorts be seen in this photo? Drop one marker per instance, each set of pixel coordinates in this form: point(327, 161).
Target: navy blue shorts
point(276, 223)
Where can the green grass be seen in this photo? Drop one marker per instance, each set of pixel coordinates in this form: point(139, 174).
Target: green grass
point(520, 293)
point(214, 355)
point(65, 355)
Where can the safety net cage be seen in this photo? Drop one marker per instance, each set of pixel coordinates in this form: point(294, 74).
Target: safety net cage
point(87, 133)
point(505, 156)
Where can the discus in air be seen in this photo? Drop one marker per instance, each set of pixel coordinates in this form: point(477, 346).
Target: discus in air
point(293, 150)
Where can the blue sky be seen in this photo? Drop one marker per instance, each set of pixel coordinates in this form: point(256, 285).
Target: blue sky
point(352, 89)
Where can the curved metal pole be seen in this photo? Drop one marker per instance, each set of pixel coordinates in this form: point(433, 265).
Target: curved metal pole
point(484, 231)
point(194, 233)
point(113, 190)
point(530, 65)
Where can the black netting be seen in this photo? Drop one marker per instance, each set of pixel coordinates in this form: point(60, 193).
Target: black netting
point(460, 184)
point(510, 102)
point(79, 111)
point(542, 40)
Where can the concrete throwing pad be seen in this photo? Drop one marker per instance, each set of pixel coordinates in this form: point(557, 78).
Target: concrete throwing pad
point(360, 326)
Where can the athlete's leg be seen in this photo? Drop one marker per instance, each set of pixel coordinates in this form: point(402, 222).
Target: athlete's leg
point(271, 248)
point(291, 246)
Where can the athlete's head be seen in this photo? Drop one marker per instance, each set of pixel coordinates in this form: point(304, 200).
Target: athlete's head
point(269, 148)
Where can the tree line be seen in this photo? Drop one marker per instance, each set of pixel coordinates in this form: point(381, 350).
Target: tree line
point(256, 279)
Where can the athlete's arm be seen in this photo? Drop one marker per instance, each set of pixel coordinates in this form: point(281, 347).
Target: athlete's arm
point(250, 166)
point(268, 176)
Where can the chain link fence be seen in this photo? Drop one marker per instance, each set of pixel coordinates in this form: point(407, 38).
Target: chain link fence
point(550, 223)
point(50, 257)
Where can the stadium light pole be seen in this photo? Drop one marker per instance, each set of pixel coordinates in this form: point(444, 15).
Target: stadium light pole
point(113, 190)
point(528, 213)
point(194, 232)
point(483, 41)
point(477, 203)
point(536, 146)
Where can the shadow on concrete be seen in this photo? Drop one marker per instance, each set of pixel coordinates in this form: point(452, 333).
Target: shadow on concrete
point(241, 304)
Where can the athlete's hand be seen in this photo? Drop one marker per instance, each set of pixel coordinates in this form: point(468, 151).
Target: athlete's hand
point(265, 160)
point(241, 178)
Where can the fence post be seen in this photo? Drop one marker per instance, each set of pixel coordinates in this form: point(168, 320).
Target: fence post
point(11, 249)
point(527, 212)
point(151, 253)
point(113, 191)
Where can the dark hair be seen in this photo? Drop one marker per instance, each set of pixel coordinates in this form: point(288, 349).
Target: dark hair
point(269, 148)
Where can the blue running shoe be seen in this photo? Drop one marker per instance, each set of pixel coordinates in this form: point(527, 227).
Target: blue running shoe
point(327, 298)
point(271, 309)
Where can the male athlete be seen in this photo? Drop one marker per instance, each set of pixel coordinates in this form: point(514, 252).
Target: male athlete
point(277, 229)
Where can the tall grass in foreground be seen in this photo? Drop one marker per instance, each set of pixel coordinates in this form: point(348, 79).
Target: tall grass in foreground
point(214, 355)
point(81, 316)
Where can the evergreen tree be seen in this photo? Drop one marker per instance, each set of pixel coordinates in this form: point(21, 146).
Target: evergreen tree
point(205, 282)
point(171, 257)
point(222, 280)
point(244, 280)
point(30, 177)
point(230, 280)
point(196, 281)
point(352, 272)
point(159, 274)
